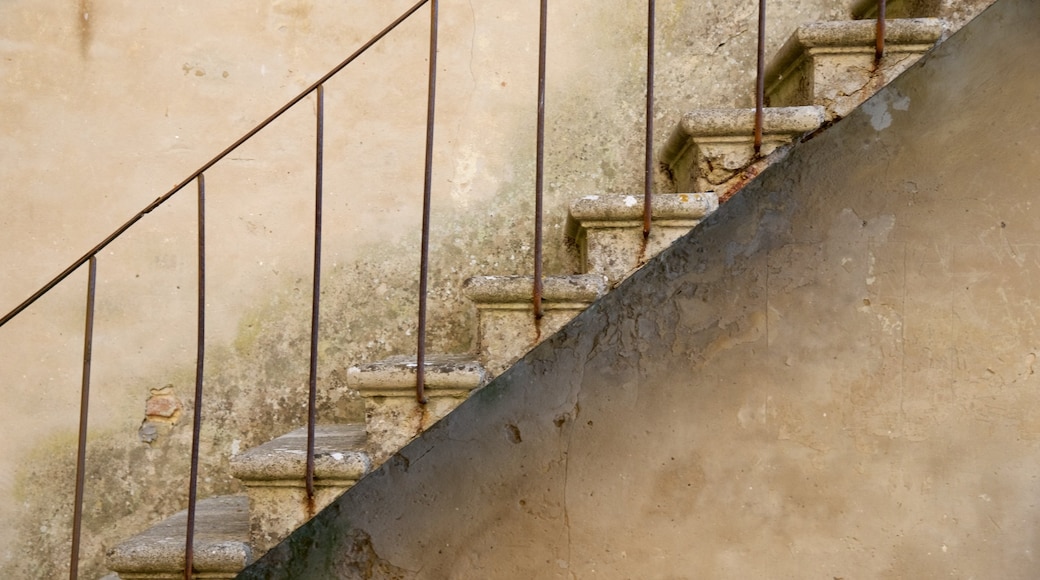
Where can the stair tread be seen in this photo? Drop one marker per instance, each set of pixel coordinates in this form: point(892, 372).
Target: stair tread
point(738, 126)
point(443, 372)
point(221, 540)
point(896, 8)
point(582, 288)
point(337, 456)
point(623, 208)
point(913, 34)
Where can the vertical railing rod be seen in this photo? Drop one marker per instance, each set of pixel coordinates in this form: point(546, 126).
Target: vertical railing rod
point(879, 43)
point(539, 178)
point(189, 542)
point(84, 404)
point(424, 260)
point(312, 383)
point(760, 76)
point(648, 181)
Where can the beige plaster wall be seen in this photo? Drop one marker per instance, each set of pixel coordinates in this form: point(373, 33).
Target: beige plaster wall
point(834, 377)
point(105, 104)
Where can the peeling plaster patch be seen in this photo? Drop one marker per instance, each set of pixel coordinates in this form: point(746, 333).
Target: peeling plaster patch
point(878, 108)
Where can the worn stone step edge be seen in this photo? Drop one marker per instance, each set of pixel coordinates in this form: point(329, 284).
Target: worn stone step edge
point(221, 542)
point(738, 126)
point(282, 461)
point(668, 209)
point(851, 36)
point(445, 376)
point(558, 292)
point(862, 9)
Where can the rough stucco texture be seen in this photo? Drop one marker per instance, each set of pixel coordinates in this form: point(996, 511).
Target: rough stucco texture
point(833, 377)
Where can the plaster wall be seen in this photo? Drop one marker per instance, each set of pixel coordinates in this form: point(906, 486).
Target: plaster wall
point(832, 377)
point(106, 104)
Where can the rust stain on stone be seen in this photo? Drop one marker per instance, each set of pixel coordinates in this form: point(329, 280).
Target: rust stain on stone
point(309, 506)
point(743, 178)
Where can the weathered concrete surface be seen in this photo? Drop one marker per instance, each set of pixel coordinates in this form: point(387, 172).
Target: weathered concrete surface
point(833, 64)
point(608, 229)
point(221, 544)
point(832, 377)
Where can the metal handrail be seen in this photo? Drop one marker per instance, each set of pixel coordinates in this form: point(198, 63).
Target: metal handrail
point(424, 259)
point(879, 41)
point(199, 176)
point(205, 166)
point(648, 169)
point(760, 76)
point(200, 359)
point(318, 88)
point(84, 405)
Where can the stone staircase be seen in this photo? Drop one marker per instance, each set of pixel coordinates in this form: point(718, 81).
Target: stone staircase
point(821, 73)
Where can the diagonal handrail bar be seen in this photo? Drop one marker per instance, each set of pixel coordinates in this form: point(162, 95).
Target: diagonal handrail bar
point(205, 166)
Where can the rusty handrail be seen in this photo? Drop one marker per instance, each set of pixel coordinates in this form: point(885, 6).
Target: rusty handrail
point(90, 256)
point(205, 166)
point(312, 377)
point(539, 173)
point(879, 41)
point(648, 179)
point(196, 425)
point(84, 405)
point(424, 259)
point(760, 76)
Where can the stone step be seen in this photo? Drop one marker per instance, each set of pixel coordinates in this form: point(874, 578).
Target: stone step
point(713, 149)
point(506, 326)
point(221, 544)
point(608, 229)
point(393, 416)
point(832, 64)
point(275, 478)
point(862, 9)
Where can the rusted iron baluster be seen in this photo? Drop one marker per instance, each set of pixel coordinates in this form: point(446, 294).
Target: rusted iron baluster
point(879, 43)
point(312, 390)
point(539, 177)
point(648, 182)
point(760, 77)
point(424, 260)
point(189, 542)
point(84, 404)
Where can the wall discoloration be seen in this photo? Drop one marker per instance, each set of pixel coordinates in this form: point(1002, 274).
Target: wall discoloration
point(170, 83)
point(85, 26)
point(871, 413)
